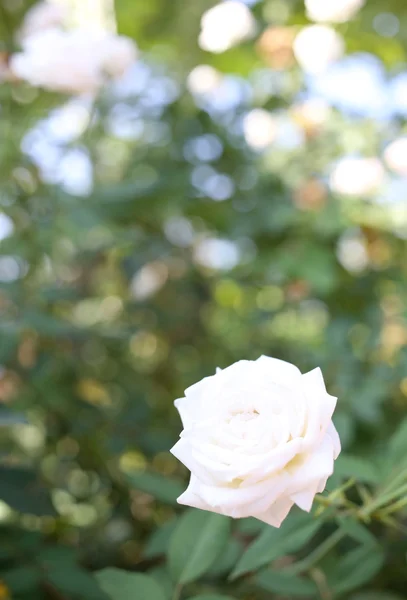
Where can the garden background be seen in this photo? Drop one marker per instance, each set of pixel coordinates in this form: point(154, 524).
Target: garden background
point(240, 191)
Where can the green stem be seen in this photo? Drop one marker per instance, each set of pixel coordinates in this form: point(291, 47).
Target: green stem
point(399, 475)
point(318, 554)
point(395, 507)
point(177, 592)
point(382, 500)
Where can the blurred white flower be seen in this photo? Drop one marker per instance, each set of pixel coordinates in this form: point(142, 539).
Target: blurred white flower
point(317, 46)
point(179, 231)
point(395, 156)
point(203, 79)
point(42, 16)
point(352, 252)
point(289, 134)
point(67, 122)
point(118, 53)
point(259, 128)
point(311, 114)
point(6, 226)
point(225, 25)
point(75, 172)
point(357, 176)
point(72, 61)
point(334, 11)
point(219, 254)
point(148, 280)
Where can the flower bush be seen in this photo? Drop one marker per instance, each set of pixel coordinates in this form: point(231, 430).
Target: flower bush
point(228, 191)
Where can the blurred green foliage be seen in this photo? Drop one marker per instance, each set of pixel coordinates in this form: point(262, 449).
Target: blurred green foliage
point(115, 300)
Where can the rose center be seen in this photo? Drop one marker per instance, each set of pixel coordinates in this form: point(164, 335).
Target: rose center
point(244, 415)
point(241, 421)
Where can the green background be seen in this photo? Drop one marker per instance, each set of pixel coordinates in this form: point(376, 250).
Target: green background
point(89, 371)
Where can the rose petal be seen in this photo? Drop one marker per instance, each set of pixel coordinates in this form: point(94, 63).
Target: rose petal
point(320, 406)
point(276, 514)
point(311, 474)
point(333, 434)
point(282, 372)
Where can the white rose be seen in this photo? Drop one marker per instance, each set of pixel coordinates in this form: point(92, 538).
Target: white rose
point(395, 156)
point(318, 46)
point(333, 11)
point(43, 15)
point(225, 25)
point(118, 53)
point(58, 60)
point(76, 61)
point(257, 438)
point(355, 176)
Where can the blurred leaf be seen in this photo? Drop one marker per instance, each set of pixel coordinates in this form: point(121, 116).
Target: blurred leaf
point(9, 417)
point(48, 325)
point(251, 526)
point(358, 531)
point(160, 487)
point(159, 541)
point(75, 582)
point(356, 568)
point(196, 543)
point(162, 576)
point(294, 533)
point(22, 579)
point(229, 558)
point(121, 585)
point(56, 556)
point(211, 597)
point(280, 583)
point(361, 469)
point(21, 490)
point(373, 595)
point(397, 445)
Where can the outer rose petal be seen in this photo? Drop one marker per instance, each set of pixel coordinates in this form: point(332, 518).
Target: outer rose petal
point(276, 514)
point(305, 498)
point(283, 373)
point(182, 451)
point(235, 502)
point(308, 479)
point(333, 434)
point(320, 405)
point(191, 496)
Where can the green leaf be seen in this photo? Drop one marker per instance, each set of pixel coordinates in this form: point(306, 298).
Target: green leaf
point(162, 576)
point(357, 531)
point(121, 585)
point(296, 531)
point(282, 583)
point(22, 579)
point(373, 595)
point(211, 597)
point(160, 487)
point(397, 445)
point(74, 582)
point(250, 526)
point(354, 466)
point(159, 541)
point(52, 556)
point(21, 490)
point(229, 558)
point(48, 325)
point(196, 543)
point(356, 568)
